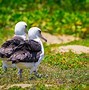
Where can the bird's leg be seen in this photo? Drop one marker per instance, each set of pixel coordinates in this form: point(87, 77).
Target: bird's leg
point(20, 73)
point(34, 69)
point(4, 67)
point(31, 71)
point(37, 74)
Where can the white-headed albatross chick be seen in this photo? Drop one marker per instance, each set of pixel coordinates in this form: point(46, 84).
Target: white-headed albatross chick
point(7, 49)
point(30, 53)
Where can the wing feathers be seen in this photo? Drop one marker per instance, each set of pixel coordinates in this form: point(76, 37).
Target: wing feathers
point(24, 56)
point(7, 49)
point(18, 50)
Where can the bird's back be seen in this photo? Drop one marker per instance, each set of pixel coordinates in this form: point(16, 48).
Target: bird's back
point(7, 49)
point(29, 51)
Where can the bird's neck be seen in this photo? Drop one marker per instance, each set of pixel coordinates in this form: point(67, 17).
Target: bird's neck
point(39, 41)
point(22, 36)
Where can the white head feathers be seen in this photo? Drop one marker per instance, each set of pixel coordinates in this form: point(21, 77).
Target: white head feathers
point(34, 33)
point(20, 28)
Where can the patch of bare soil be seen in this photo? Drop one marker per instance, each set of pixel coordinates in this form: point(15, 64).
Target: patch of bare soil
point(53, 39)
point(78, 49)
point(19, 85)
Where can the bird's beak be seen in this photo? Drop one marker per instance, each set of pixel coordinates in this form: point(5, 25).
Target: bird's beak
point(43, 38)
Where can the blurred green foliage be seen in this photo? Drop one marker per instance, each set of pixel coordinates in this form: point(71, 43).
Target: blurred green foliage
point(53, 16)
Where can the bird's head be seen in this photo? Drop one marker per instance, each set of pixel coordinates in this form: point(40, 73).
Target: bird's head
point(20, 28)
point(35, 32)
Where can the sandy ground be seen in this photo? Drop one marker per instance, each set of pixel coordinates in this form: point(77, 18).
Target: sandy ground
point(53, 39)
point(20, 85)
point(78, 49)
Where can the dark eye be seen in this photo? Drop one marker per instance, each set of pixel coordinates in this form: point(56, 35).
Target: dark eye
point(25, 26)
point(39, 31)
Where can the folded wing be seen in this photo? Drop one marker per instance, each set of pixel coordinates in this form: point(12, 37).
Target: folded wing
point(7, 49)
point(29, 51)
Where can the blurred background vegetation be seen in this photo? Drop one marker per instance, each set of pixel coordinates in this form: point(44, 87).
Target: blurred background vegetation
point(52, 16)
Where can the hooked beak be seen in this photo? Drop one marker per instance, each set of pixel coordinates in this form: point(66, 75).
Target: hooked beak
point(43, 38)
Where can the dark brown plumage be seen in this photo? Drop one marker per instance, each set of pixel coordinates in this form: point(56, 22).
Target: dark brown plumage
point(29, 51)
point(8, 48)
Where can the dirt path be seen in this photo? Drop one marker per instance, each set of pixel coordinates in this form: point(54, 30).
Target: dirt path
point(78, 49)
point(21, 85)
point(53, 39)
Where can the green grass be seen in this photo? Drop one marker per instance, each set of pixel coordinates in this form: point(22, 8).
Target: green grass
point(62, 71)
point(67, 71)
point(84, 42)
point(67, 60)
